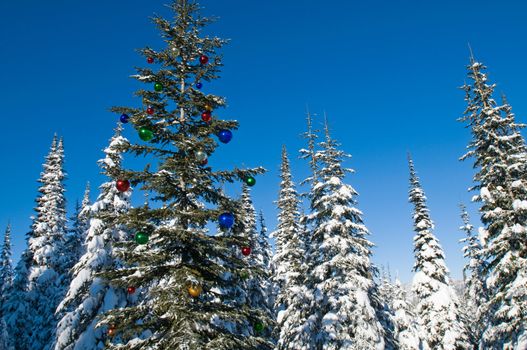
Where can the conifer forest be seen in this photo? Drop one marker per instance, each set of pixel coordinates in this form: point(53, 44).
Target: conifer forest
point(195, 267)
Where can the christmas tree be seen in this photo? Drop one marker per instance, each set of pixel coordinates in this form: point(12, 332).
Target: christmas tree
point(437, 312)
point(6, 281)
point(193, 280)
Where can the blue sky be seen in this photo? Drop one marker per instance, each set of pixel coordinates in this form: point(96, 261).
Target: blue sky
point(386, 72)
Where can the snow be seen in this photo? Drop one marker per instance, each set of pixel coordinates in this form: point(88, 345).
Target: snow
point(519, 204)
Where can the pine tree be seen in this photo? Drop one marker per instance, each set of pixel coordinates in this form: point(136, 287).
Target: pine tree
point(267, 255)
point(6, 281)
point(437, 311)
point(341, 274)
point(384, 292)
point(195, 298)
point(90, 296)
point(405, 327)
point(475, 291)
point(499, 153)
point(288, 267)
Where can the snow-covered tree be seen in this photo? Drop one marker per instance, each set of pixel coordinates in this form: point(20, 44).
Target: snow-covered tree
point(475, 291)
point(405, 326)
point(341, 274)
point(500, 159)
point(89, 295)
point(288, 267)
point(267, 255)
point(382, 302)
point(193, 280)
point(6, 281)
point(437, 311)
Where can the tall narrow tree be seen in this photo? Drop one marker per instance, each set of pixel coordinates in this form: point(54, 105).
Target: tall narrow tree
point(39, 284)
point(341, 274)
point(77, 234)
point(437, 311)
point(6, 282)
point(195, 298)
point(288, 267)
point(500, 159)
point(405, 328)
point(89, 296)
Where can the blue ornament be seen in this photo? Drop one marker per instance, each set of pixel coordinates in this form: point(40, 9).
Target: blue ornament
point(226, 220)
point(225, 135)
point(124, 118)
point(199, 85)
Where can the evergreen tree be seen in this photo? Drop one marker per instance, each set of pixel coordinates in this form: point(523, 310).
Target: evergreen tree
point(288, 267)
point(267, 255)
point(405, 327)
point(195, 298)
point(341, 274)
point(437, 311)
point(89, 296)
point(475, 291)
point(499, 153)
point(384, 292)
point(6, 281)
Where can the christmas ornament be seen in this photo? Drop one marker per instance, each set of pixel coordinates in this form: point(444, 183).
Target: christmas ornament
point(225, 135)
point(150, 110)
point(203, 59)
point(244, 275)
point(201, 156)
point(226, 220)
point(194, 290)
point(122, 185)
point(206, 116)
point(246, 251)
point(145, 134)
point(158, 87)
point(141, 238)
point(130, 290)
point(208, 107)
point(205, 162)
point(150, 60)
point(124, 118)
point(111, 331)
point(174, 50)
point(250, 181)
point(199, 85)
point(258, 327)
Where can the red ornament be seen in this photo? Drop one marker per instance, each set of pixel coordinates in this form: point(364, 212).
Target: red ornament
point(131, 290)
point(111, 331)
point(122, 185)
point(150, 110)
point(203, 59)
point(204, 162)
point(246, 251)
point(150, 60)
point(206, 116)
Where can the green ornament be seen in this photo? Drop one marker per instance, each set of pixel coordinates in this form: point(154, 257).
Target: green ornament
point(158, 87)
point(250, 181)
point(146, 134)
point(141, 238)
point(259, 327)
point(244, 275)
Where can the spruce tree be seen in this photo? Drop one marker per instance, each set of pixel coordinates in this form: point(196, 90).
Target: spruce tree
point(499, 153)
point(89, 296)
point(195, 298)
point(267, 255)
point(288, 267)
point(475, 290)
point(6, 281)
point(341, 274)
point(384, 292)
point(437, 311)
point(405, 327)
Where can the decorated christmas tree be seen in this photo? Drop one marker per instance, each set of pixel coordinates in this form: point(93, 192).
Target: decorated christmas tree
point(192, 280)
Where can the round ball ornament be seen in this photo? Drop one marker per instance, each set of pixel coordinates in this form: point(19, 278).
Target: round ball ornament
point(244, 275)
point(250, 181)
point(258, 327)
point(225, 135)
point(203, 59)
point(158, 87)
point(150, 110)
point(226, 220)
point(199, 85)
point(122, 185)
point(206, 116)
point(201, 156)
point(141, 238)
point(130, 290)
point(150, 60)
point(146, 134)
point(246, 251)
point(194, 290)
point(111, 331)
point(208, 107)
point(174, 51)
point(124, 118)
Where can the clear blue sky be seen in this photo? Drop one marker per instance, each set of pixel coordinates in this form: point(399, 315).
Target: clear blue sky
point(386, 72)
